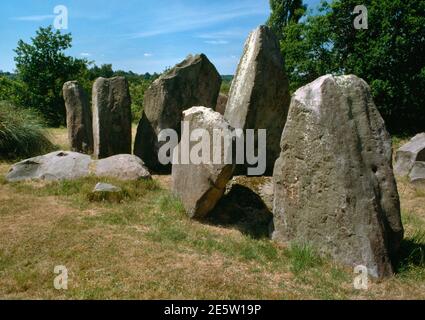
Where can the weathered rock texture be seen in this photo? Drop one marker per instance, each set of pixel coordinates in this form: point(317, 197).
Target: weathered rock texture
point(193, 82)
point(408, 154)
point(417, 174)
point(122, 166)
point(78, 118)
point(200, 186)
point(221, 103)
point(334, 186)
point(111, 117)
point(259, 96)
point(64, 165)
point(59, 165)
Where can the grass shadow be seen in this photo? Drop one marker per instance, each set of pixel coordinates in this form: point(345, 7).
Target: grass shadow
point(412, 252)
point(243, 209)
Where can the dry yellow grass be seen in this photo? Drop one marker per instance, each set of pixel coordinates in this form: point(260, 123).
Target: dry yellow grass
point(146, 248)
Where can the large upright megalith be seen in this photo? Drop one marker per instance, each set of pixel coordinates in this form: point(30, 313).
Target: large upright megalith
point(193, 82)
point(78, 118)
point(334, 186)
point(111, 117)
point(259, 96)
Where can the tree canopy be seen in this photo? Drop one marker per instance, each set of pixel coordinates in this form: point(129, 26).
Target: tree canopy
point(389, 55)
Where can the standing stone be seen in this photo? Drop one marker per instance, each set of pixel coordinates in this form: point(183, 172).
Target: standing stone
point(334, 186)
point(259, 96)
point(200, 186)
point(193, 82)
point(408, 154)
point(221, 103)
point(111, 117)
point(78, 118)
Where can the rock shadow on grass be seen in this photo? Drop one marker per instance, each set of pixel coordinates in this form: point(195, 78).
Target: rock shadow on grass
point(243, 209)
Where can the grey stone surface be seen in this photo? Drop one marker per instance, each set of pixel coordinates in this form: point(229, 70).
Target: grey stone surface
point(78, 118)
point(193, 82)
point(111, 117)
point(417, 174)
point(408, 154)
point(221, 103)
point(200, 186)
point(123, 167)
point(259, 97)
point(334, 186)
point(106, 187)
point(59, 165)
point(64, 165)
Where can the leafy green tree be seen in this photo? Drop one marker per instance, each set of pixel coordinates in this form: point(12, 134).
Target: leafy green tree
point(283, 13)
point(389, 55)
point(43, 67)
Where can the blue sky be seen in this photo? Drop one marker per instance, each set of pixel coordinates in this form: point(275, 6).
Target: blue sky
point(139, 35)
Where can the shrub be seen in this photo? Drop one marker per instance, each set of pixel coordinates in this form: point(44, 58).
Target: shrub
point(21, 133)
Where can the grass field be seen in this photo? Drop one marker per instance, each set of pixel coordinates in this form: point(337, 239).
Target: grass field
point(146, 248)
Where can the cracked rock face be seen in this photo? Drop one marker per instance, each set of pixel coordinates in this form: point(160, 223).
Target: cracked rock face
point(111, 117)
point(78, 118)
point(259, 97)
point(193, 82)
point(200, 186)
point(334, 186)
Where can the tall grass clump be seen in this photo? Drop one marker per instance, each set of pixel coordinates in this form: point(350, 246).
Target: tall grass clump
point(22, 133)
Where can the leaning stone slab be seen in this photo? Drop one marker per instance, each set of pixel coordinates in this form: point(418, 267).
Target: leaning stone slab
point(111, 117)
point(200, 186)
point(78, 118)
point(193, 82)
point(334, 186)
point(64, 165)
point(59, 165)
point(408, 154)
point(417, 174)
point(259, 97)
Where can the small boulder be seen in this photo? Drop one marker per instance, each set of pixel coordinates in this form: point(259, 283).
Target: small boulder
point(200, 186)
point(408, 154)
point(106, 192)
point(123, 167)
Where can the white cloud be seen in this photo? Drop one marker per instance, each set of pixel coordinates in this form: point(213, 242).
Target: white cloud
point(216, 42)
point(183, 19)
point(85, 54)
point(148, 54)
point(34, 18)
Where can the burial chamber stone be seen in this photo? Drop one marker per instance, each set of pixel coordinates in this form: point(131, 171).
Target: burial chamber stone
point(259, 96)
point(78, 118)
point(334, 186)
point(111, 117)
point(193, 82)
